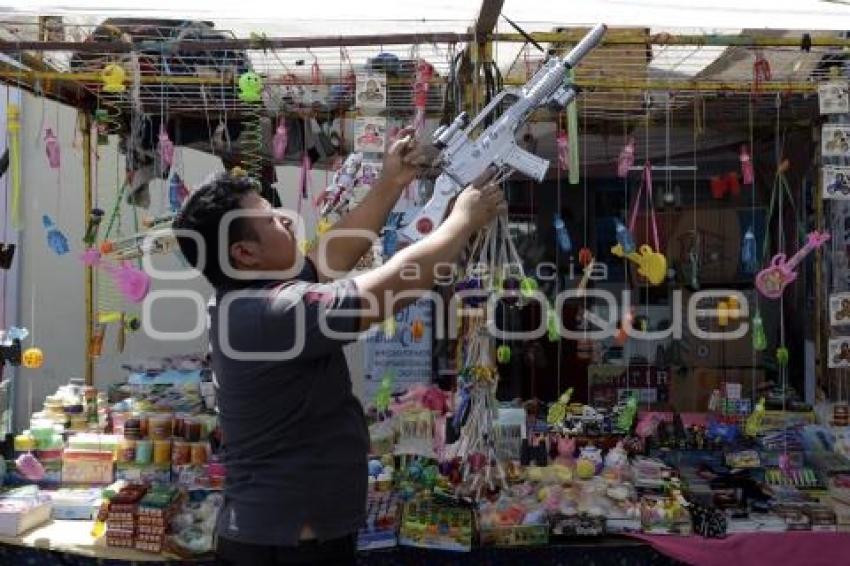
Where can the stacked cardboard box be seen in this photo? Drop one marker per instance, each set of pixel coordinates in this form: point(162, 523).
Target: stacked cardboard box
point(154, 515)
point(121, 516)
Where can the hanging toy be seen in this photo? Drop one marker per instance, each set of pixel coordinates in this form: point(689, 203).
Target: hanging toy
point(624, 238)
point(761, 71)
point(782, 356)
point(389, 327)
point(749, 252)
point(32, 358)
point(759, 338)
point(389, 242)
point(417, 330)
point(746, 165)
point(563, 143)
point(166, 147)
point(503, 354)
point(113, 76)
point(627, 415)
point(280, 140)
point(772, 280)
point(7, 254)
point(177, 192)
point(572, 133)
point(133, 283)
point(13, 125)
point(752, 428)
point(384, 393)
point(553, 325)
point(424, 73)
point(528, 286)
point(250, 87)
point(585, 256)
point(51, 147)
point(562, 236)
point(626, 159)
point(56, 240)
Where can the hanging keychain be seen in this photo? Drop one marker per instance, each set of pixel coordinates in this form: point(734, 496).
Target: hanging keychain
point(651, 263)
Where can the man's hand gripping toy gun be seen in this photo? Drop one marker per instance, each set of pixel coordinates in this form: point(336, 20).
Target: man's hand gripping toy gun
point(464, 160)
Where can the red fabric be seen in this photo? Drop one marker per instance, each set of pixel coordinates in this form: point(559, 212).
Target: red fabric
point(756, 549)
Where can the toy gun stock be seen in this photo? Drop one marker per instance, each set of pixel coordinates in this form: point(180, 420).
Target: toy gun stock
point(464, 160)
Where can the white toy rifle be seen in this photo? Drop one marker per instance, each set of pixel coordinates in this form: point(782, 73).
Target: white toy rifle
point(463, 160)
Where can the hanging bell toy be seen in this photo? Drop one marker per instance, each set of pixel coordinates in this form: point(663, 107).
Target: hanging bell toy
point(113, 76)
point(759, 338)
point(250, 87)
point(32, 358)
point(782, 356)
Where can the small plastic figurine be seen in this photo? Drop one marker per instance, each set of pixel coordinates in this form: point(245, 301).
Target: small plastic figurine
point(250, 87)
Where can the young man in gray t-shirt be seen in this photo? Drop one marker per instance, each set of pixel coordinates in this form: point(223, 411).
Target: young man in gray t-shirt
point(294, 436)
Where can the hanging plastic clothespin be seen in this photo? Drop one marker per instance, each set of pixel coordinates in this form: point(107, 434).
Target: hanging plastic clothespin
point(51, 147)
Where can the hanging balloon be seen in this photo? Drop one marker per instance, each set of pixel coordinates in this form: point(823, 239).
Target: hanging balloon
point(33, 358)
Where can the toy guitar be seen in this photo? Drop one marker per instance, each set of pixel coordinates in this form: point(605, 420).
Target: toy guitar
point(651, 264)
point(772, 280)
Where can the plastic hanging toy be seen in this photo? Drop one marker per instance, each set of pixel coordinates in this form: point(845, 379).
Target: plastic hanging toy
point(280, 140)
point(56, 240)
point(51, 147)
point(752, 428)
point(32, 358)
point(13, 125)
point(558, 410)
point(384, 393)
point(503, 354)
point(133, 283)
point(177, 192)
point(250, 87)
point(562, 236)
point(746, 165)
point(782, 356)
point(626, 158)
point(749, 252)
point(166, 147)
point(627, 416)
point(625, 238)
point(759, 338)
point(563, 143)
point(553, 330)
point(113, 76)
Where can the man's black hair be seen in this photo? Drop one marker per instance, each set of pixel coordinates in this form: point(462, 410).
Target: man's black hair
point(202, 214)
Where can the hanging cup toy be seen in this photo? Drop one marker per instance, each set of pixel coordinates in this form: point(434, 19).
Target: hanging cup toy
point(113, 76)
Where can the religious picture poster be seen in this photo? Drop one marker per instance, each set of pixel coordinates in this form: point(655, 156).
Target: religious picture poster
point(836, 182)
point(401, 347)
point(839, 309)
point(371, 91)
point(835, 140)
point(839, 353)
point(370, 134)
point(366, 176)
point(833, 97)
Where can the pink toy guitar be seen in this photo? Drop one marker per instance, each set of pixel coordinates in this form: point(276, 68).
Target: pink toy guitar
point(772, 280)
point(133, 283)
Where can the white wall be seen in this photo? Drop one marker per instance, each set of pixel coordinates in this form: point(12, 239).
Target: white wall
point(52, 291)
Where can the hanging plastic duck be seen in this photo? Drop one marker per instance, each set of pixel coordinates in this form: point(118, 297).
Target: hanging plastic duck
point(250, 87)
point(113, 76)
point(626, 159)
point(749, 252)
point(177, 192)
point(280, 140)
point(166, 147)
point(563, 143)
point(51, 147)
point(56, 240)
point(746, 165)
point(562, 236)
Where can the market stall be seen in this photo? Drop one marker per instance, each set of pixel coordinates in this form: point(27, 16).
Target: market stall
point(643, 361)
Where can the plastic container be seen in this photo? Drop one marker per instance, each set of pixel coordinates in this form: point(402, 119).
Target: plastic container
point(144, 452)
point(161, 452)
point(159, 426)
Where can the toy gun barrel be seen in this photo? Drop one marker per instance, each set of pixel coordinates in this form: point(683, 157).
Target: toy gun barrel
point(583, 47)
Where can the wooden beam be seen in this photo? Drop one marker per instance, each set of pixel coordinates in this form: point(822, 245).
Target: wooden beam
point(488, 15)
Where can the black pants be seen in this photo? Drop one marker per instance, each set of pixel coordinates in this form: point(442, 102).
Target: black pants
point(339, 551)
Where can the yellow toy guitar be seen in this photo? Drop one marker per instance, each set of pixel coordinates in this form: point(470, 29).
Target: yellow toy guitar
point(651, 264)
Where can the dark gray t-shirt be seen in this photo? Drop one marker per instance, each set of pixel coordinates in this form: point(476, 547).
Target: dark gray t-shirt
point(294, 435)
